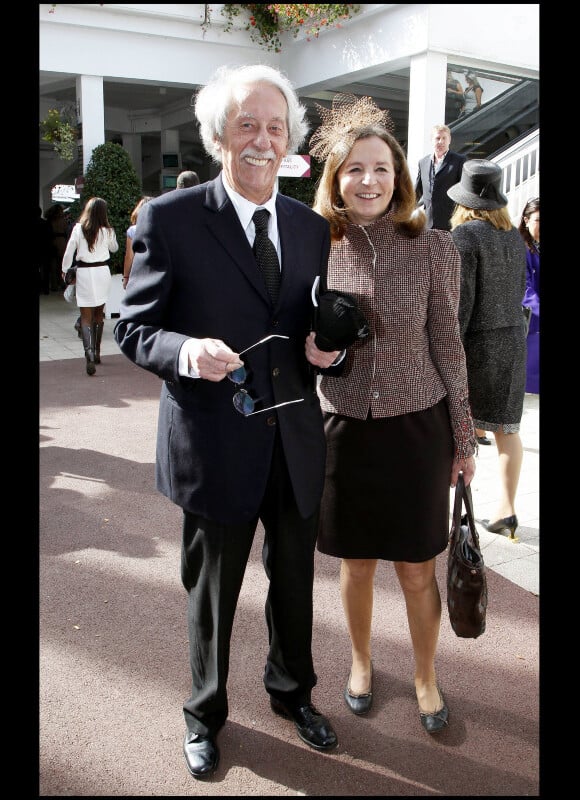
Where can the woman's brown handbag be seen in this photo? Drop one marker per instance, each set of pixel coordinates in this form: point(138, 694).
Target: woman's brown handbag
point(466, 578)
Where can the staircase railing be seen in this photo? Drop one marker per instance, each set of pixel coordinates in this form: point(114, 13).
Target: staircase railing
point(520, 163)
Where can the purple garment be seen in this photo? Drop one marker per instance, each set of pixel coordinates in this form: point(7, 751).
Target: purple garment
point(532, 299)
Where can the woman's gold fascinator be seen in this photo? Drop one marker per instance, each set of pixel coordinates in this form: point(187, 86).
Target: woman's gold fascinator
point(347, 115)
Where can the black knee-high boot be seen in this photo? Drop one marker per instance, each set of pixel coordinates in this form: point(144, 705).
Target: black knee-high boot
point(89, 345)
point(98, 336)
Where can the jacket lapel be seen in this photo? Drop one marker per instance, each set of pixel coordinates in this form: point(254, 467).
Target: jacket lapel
point(224, 225)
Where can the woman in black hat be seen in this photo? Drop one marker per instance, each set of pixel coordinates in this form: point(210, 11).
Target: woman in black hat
point(493, 282)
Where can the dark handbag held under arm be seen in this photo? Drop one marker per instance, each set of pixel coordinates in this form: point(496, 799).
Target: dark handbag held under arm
point(70, 276)
point(338, 322)
point(466, 578)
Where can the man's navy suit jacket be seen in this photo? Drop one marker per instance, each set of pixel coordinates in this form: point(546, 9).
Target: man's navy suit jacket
point(194, 275)
point(438, 205)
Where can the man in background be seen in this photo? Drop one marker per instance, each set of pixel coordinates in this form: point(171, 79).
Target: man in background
point(187, 178)
point(438, 171)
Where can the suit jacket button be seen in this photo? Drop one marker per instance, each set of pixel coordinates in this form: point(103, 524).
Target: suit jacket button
point(271, 420)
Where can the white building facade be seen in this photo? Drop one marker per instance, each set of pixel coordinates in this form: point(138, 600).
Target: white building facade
point(168, 51)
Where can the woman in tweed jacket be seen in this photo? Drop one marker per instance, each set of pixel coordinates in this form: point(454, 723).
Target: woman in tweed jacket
point(397, 420)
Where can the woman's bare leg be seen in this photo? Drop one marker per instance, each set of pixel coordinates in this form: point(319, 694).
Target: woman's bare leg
point(356, 589)
point(511, 454)
point(423, 603)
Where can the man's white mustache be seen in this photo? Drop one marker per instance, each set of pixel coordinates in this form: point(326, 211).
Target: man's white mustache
point(252, 154)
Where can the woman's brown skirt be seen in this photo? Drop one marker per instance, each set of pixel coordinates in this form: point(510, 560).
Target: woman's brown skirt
point(386, 493)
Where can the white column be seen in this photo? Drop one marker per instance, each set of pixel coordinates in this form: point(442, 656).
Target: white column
point(91, 114)
point(169, 141)
point(169, 144)
point(428, 76)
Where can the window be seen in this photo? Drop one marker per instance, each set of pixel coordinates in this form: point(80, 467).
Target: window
point(169, 182)
point(171, 161)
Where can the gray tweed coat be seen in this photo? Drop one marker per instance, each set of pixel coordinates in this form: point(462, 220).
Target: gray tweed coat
point(493, 282)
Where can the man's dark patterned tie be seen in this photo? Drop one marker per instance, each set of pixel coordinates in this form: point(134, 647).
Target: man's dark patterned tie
point(265, 253)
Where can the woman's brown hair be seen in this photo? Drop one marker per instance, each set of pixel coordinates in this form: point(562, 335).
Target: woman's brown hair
point(529, 208)
point(329, 204)
point(93, 218)
point(135, 213)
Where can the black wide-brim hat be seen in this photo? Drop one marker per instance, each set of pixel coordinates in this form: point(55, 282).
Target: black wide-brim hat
point(480, 186)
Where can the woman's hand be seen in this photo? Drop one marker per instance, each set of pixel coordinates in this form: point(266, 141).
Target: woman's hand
point(465, 465)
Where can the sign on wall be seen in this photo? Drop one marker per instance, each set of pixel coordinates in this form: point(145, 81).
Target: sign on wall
point(64, 193)
point(295, 167)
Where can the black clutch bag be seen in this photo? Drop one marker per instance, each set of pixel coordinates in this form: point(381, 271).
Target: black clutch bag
point(338, 321)
point(70, 276)
point(466, 578)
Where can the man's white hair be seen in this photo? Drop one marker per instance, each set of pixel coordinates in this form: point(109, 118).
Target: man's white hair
point(216, 99)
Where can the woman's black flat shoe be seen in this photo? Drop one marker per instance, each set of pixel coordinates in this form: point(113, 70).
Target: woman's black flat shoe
point(483, 440)
point(506, 524)
point(359, 703)
point(435, 722)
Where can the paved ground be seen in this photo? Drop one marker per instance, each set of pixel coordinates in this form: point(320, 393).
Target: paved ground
point(113, 639)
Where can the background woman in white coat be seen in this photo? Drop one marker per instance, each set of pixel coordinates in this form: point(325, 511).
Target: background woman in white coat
point(94, 239)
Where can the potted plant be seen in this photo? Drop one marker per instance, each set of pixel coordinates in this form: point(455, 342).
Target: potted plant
point(57, 128)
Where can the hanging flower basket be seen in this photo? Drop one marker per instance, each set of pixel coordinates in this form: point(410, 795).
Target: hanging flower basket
point(265, 22)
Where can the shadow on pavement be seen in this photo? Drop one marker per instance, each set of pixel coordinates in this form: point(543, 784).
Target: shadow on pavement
point(113, 641)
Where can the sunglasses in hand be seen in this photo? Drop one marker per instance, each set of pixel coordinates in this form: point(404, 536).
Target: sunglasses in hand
point(243, 402)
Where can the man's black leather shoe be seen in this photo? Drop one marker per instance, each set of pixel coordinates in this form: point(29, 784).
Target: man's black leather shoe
point(201, 755)
point(312, 726)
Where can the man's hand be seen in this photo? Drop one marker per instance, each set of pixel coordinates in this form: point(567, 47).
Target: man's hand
point(213, 359)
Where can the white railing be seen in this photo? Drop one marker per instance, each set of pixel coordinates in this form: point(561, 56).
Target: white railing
point(521, 173)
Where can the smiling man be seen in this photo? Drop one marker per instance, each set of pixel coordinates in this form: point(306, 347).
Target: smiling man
point(237, 446)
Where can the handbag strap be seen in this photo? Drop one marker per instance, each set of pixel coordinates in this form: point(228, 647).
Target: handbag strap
point(322, 284)
point(463, 498)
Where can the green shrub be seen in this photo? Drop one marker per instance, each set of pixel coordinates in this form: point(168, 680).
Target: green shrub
point(111, 175)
